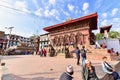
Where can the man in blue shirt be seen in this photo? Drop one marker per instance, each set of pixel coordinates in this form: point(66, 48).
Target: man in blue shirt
point(83, 55)
point(77, 55)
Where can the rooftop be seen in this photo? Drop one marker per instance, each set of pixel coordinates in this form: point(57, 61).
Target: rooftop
point(108, 27)
point(93, 17)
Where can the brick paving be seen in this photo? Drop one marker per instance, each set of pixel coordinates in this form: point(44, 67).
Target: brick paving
point(33, 67)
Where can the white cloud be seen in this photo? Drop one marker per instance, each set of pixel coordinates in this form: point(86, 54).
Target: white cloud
point(70, 7)
point(76, 11)
point(116, 19)
point(97, 4)
point(19, 21)
point(85, 12)
point(116, 22)
point(38, 12)
point(21, 5)
point(36, 3)
point(104, 15)
point(46, 13)
point(85, 6)
point(114, 11)
point(66, 13)
point(104, 22)
point(57, 18)
point(52, 2)
point(49, 13)
point(5, 3)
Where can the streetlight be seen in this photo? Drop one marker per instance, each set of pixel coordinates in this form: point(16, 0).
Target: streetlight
point(10, 30)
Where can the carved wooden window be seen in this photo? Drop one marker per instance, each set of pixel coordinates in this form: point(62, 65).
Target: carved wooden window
point(55, 40)
point(72, 38)
point(67, 41)
point(61, 40)
point(79, 38)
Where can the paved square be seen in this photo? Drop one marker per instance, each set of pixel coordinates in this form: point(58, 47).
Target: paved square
point(34, 67)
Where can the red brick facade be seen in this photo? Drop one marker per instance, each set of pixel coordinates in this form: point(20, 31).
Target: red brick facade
point(77, 31)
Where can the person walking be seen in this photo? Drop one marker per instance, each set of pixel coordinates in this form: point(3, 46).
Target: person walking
point(88, 72)
point(44, 52)
point(109, 69)
point(67, 75)
point(77, 51)
point(83, 55)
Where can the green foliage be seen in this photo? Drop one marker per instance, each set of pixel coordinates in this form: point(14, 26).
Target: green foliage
point(114, 34)
point(99, 36)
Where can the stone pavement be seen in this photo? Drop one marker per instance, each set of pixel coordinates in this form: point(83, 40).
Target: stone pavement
point(33, 67)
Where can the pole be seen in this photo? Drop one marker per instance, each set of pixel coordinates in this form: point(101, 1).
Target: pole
point(10, 31)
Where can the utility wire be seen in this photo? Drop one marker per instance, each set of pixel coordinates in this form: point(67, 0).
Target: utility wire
point(4, 1)
point(13, 8)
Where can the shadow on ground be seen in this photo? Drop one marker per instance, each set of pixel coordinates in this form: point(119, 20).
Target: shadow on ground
point(15, 77)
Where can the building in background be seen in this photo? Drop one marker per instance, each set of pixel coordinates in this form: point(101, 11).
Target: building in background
point(105, 30)
point(3, 40)
point(16, 40)
point(44, 40)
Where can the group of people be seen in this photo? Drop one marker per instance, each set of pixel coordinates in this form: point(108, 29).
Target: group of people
point(43, 53)
point(83, 54)
point(89, 72)
point(111, 51)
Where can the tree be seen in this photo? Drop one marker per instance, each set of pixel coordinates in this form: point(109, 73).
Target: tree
point(99, 36)
point(114, 34)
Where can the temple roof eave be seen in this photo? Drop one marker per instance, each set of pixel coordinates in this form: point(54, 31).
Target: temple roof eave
point(105, 28)
point(93, 16)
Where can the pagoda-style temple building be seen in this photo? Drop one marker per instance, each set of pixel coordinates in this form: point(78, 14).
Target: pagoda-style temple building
point(105, 30)
point(77, 31)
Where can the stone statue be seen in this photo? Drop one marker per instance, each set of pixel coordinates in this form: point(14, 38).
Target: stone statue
point(67, 53)
point(51, 51)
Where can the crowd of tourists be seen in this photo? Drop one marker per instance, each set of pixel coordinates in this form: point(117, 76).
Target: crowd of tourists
point(112, 52)
point(88, 70)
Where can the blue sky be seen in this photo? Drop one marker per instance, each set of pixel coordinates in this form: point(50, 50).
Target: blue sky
point(31, 16)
